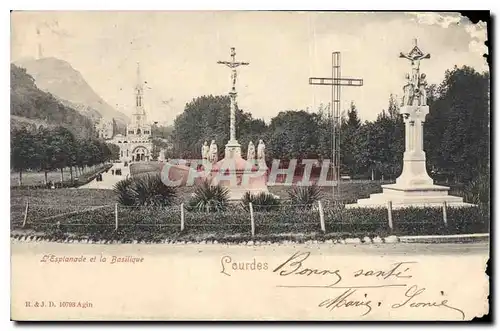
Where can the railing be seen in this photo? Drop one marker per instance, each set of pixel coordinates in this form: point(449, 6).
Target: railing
point(320, 218)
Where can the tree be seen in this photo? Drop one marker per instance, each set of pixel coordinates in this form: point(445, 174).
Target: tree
point(206, 118)
point(46, 151)
point(63, 145)
point(114, 151)
point(379, 146)
point(457, 129)
point(24, 152)
point(293, 135)
point(324, 123)
point(350, 127)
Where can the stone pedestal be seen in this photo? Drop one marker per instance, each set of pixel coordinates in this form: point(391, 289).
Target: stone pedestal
point(233, 150)
point(239, 176)
point(414, 187)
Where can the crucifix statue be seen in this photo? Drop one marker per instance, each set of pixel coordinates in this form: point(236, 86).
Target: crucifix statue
point(414, 110)
point(233, 65)
point(413, 94)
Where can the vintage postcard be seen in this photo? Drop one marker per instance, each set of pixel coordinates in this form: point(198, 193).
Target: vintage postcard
point(249, 165)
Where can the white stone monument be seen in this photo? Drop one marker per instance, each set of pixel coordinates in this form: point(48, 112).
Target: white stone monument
point(205, 151)
point(213, 153)
point(246, 174)
point(251, 152)
point(414, 187)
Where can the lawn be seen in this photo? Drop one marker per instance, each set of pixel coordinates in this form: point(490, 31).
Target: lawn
point(63, 196)
point(145, 167)
point(349, 191)
point(32, 178)
point(78, 198)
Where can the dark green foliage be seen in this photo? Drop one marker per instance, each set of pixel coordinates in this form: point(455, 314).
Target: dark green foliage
point(293, 134)
point(260, 202)
point(457, 128)
point(209, 198)
point(378, 146)
point(456, 138)
point(287, 220)
point(124, 192)
point(24, 152)
point(154, 223)
point(230, 221)
point(30, 102)
point(114, 151)
point(356, 221)
point(207, 118)
point(305, 195)
point(415, 221)
point(144, 190)
point(46, 149)
point(350, 128)
point(478, 191)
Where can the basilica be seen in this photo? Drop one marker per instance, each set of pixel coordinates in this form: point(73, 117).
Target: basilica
point(136, 145)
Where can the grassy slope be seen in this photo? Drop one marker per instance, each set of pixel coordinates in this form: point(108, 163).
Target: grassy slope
point(65, 196)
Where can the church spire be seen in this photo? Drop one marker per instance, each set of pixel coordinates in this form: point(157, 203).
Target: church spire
point(139, 81)
point(139, 93)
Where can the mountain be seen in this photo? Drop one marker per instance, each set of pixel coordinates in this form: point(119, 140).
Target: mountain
point(31, 107)
point(67, 84)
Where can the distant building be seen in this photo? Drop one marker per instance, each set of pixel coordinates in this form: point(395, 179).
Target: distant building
point(136, 145)
point(106, 129)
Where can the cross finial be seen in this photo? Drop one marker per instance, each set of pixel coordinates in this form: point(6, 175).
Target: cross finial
point(233, 64)
point(233, 54)
point(138, 73)
point(415, 55)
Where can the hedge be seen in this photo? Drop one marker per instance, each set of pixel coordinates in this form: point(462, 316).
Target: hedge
point(154, 224)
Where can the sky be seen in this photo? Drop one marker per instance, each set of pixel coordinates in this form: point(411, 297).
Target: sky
point(178, 54)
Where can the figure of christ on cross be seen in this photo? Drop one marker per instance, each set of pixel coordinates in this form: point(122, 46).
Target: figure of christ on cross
point(233, 65)
point(414, 56)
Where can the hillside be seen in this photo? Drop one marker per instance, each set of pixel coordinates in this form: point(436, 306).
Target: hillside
point(60, 79)
point(29, 106)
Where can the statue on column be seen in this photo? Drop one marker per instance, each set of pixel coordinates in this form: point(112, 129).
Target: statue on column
point(409, 91)
point(251, 151)
point(213, 152)
point(205, 150)
point(261, 151)
point(422, 90)
point(414, 89)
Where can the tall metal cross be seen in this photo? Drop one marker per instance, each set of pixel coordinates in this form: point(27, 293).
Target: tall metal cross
point(336, 81)
point(233, 65)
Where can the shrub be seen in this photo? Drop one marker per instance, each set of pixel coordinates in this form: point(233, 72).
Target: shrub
point(357, 221)
point(478, 190)
point(305, 196)
point(124, 192)
point(418, 221)
point(287, 220)
point(207, 197)
point(260, 202)
point(147, 190)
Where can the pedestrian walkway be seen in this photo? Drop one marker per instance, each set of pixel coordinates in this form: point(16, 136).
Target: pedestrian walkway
point(108, 179)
